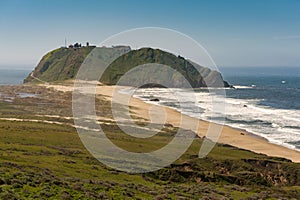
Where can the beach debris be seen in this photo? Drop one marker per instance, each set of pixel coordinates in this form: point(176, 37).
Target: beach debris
point(168, 125)
point(154, 99)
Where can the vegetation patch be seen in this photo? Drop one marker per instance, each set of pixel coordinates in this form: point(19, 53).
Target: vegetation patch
point(48, 161)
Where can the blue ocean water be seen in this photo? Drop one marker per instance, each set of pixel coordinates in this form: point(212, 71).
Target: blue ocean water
point(13, 76)
point(272, 96)
point(277, 87)
point(266, 102)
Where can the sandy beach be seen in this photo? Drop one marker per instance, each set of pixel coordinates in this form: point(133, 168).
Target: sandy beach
point(229, 135)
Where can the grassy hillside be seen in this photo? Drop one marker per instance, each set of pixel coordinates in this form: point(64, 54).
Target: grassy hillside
point(63, 64)
point(148, 55)
point(42, 160)
point(60, 64)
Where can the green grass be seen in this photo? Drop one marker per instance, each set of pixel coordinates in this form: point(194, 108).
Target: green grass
point(60, 64)
point(196, 75)
point(44, 157)
point(48, 161)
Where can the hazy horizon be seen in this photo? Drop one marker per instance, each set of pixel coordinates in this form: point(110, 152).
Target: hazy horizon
point(31, 67)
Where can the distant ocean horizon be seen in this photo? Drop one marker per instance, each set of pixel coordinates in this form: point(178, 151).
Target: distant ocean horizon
point(272, 97)
point(11, 76)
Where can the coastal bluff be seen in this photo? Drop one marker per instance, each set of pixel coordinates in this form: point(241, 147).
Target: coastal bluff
point(63, 64)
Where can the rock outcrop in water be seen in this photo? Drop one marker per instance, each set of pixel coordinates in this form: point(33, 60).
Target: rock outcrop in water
point(63, 64)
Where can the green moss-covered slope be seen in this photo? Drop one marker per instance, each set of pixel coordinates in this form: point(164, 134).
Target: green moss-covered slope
point(59, 64)
point(63, 64)
point(196, 75)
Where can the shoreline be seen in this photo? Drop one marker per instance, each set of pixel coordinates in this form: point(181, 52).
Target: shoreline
point(229, 135)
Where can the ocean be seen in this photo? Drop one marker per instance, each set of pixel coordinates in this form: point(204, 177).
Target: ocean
point(265, 101)
point(13, 76)
point(273, 106)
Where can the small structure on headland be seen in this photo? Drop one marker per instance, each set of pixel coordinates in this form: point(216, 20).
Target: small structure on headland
point(76, 45)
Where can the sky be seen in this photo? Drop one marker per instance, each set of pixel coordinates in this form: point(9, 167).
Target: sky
point(234, 32)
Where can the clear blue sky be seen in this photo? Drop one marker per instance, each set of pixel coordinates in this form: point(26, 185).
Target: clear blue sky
point(235, 32)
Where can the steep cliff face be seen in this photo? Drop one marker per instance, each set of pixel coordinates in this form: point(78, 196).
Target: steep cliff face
point(63, 64)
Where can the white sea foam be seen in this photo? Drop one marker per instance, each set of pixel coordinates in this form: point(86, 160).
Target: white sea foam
point(243, 86)
point(279, 126)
